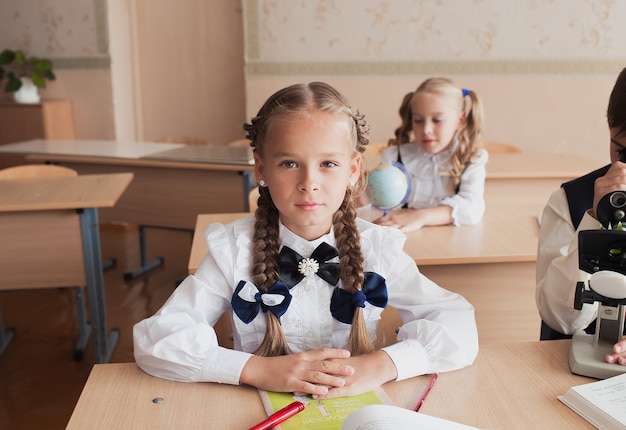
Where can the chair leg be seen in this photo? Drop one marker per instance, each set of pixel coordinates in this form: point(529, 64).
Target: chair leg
point(5, 335)
point(84, 328)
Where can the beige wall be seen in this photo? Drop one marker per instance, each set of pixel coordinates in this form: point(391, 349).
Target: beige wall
point(544, 69)
point(535, 113)
point(138, 69)
point(145, 69)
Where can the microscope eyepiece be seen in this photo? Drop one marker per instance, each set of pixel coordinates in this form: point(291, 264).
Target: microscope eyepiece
point(617, 199)
point(612, 208)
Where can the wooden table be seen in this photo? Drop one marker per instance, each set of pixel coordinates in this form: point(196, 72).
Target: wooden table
point(510, 386)
point(492, 264)
point(173, 182)
point(50, 239)
point(540, 174)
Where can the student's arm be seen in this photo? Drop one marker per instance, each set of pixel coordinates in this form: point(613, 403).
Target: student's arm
point(468, 204)
point(179, 342)
point(557, 269)
point(439, 328)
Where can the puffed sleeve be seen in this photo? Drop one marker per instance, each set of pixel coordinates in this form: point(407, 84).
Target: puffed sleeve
point(468, 204)
point(179, 342)
point(557, 267)
point(389, 155)
point(439, 329)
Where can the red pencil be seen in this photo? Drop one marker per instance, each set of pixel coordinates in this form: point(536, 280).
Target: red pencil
point(429, 386)
point(279, 416)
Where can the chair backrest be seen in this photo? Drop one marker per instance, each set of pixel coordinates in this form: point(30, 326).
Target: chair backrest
point(501, 148)
point(27, 171)
point(371, 156)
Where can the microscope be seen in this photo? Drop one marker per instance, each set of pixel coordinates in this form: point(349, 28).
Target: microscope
point(602, 253)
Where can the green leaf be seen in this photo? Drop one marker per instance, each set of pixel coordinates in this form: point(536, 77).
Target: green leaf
point(20, 58)
point(38, 80)
point(13, 84)
point(7, 56)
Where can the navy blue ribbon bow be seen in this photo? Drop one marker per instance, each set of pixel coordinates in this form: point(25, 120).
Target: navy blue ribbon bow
point(247, 299)
point(343, 304)
point(293, 267)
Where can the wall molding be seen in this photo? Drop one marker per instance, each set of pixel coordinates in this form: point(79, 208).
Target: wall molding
point(487, 67)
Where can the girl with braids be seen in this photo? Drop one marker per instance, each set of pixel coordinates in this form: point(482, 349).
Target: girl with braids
point(439, 144)
point(304, 280)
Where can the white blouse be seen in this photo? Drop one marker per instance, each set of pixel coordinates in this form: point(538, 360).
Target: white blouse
point(557, 267)
point(179, 343)
point(430, 181)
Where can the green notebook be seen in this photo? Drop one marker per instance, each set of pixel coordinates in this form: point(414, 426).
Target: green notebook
point(320, 414)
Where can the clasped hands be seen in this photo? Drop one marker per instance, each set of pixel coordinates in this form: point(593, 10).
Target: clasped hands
point(323, 373)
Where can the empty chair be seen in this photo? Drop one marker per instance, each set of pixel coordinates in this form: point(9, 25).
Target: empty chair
point(28, 171)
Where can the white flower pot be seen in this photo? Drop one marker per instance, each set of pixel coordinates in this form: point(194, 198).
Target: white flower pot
point(28, 92)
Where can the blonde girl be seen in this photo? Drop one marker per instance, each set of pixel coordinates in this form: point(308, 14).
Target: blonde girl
point(439, 144)
point(304, 280)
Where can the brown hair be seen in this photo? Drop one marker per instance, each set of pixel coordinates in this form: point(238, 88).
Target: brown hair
point(469, 134)
point(291, 100)
point(616, 112)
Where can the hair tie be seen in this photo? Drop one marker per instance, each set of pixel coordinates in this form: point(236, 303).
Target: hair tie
point(465, 91)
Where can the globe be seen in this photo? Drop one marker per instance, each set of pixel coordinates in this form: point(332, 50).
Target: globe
point(389, 186)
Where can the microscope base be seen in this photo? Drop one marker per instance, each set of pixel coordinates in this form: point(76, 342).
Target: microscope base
point(587, 359)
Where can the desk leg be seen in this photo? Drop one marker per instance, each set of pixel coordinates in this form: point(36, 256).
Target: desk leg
point(5, 336)
point(103, 347)
point(145, 264)
point(248, 184)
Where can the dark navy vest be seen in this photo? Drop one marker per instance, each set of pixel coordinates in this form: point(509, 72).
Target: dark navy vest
point(579, 194)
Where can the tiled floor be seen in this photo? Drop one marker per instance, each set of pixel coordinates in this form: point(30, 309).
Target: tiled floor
point(40, 382)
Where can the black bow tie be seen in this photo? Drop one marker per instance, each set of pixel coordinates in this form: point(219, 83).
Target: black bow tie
point(293, 267)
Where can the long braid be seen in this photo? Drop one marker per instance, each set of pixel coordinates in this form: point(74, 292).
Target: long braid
point(264, 270)
point(351, 269)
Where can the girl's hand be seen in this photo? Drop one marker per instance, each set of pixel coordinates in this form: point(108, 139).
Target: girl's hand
point(312, 372)
point(413, 219)
point(370, 372)
point(614, 180)
point(403, 219)
point(619, 354)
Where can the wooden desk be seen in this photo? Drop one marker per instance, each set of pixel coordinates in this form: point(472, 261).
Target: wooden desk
point(510, 386)
point(515, 177)
point(172, 182)
point(492, 264)
point(50, 238)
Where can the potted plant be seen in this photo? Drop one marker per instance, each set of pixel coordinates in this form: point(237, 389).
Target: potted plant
point(25, 75)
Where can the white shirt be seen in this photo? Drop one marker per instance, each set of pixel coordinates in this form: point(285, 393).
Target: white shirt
point(430, 181)
point(557, 267)
point(179, 343)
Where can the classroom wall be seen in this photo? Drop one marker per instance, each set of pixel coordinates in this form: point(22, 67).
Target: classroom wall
point(142, 70)
point(544, 69)
point(138, 69)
